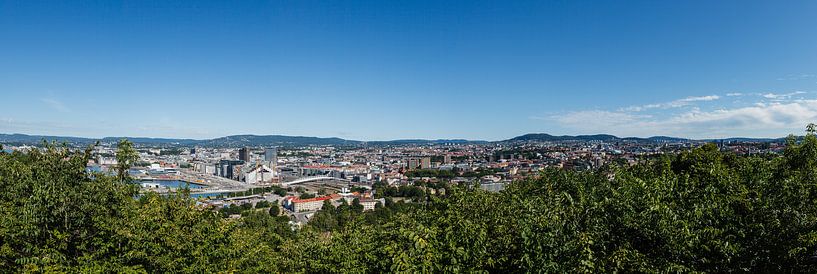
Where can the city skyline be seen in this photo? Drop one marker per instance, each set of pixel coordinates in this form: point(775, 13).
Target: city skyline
point(412, 70)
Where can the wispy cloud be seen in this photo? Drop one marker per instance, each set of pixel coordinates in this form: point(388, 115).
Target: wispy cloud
point(781, 96)
point(733, 94)
point(794, 77)
point(673, 104)
point(166, 126)
point(100, 128)
point(597, 118)
point(55, 105)
point(12, 125)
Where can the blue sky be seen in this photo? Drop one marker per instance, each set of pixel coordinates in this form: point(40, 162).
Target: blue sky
point(376, 70)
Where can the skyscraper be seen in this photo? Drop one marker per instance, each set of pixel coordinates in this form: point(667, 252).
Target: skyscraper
point(271, 155)
point(244, 154)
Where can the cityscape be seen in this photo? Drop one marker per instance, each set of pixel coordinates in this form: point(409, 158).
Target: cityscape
point(444, 136)
point(300, 176)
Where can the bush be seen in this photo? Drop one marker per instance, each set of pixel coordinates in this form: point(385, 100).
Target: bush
point(262, 204)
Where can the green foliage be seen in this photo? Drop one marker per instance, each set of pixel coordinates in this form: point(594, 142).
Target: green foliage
point(279, 191)
point(274, 210)
point(232, 209)
point(358, 189)
point(52, 213)
point(126, 156)
point(171, 151)
point(413, 192)
point(259, 190)
point(245, 206)
point(262, 204)
point(56, 217)
point(356, 206)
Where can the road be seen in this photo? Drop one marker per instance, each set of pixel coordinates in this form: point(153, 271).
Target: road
point(213, 183)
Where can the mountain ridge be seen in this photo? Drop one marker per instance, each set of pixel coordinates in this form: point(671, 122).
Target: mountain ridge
point(286, 140)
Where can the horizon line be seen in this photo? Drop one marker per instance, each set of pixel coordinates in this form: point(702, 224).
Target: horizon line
point(399, 139)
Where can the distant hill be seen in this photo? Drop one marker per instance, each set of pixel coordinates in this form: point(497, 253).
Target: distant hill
point(144, 140)
point(274, 140)
point(294, 141)
point(750, 140)
point(37, 139)
point(662, 139)
point(667, 139)
point(423, 142)
point(227, 141)
point(543, 137)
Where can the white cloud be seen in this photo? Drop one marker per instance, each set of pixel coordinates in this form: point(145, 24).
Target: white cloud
point(781, 96)
point(756, 117)
point(700, 98)
point(734, 94)
point(673, 104)
point(760, 120)
point(55, 105)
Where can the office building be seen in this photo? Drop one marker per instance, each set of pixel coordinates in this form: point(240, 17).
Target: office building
point(271, 155)
point(244, 154)
point(226, 168)
point(421, 163)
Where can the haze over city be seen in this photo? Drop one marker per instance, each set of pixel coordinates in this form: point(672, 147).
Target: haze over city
point(382, 70)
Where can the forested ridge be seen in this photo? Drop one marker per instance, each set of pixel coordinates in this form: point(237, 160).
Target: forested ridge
point(696, 211)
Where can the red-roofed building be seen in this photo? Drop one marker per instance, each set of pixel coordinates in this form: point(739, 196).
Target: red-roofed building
point(297, 205)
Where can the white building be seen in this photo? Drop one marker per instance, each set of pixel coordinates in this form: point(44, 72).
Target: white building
point(257, 174)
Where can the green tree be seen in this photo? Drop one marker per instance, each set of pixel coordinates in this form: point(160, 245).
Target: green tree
point(274, 210)
point(356, 206)
point(328, 206)
point(262, 204)
point(126, 155)
point(54, 214)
